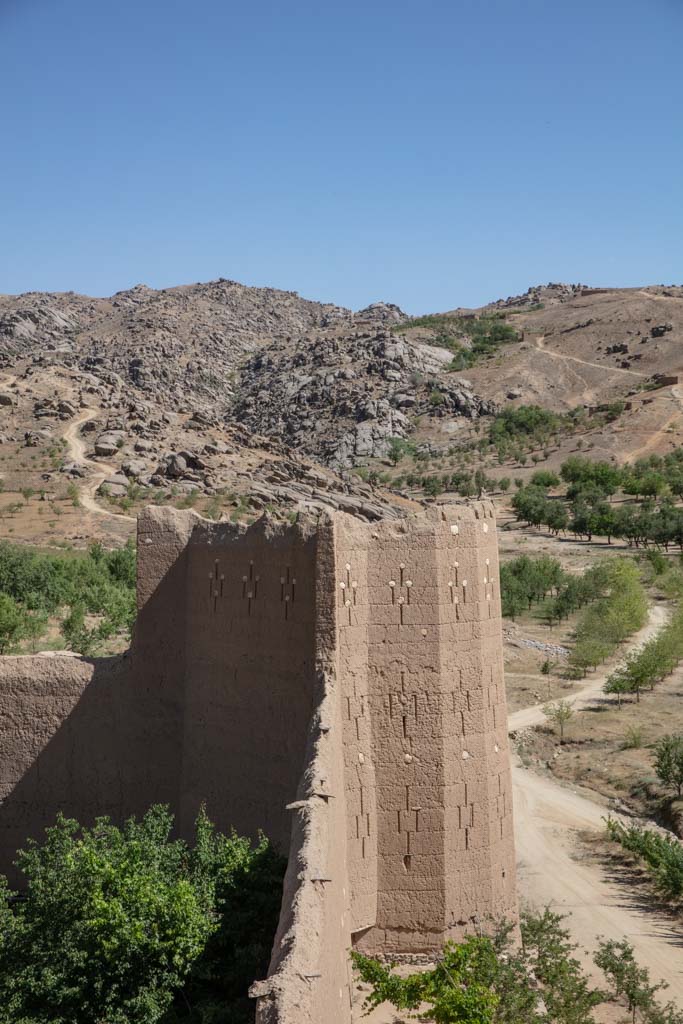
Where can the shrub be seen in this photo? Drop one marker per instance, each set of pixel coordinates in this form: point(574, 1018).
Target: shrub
point(116, 920)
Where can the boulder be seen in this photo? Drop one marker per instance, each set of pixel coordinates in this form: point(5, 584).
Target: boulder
point(72, 469)
point(176, 466)
point(116, 485)
point(108, 443)
point(134, 467)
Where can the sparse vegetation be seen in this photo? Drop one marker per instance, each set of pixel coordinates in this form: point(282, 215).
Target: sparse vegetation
point(491, 980)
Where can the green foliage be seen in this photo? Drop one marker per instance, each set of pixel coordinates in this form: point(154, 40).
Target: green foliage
point(11, 623)
point(525, 581)
point(586, 510)
point(115, 921)
point(654, 661)
point(669, 762)
point(489, 980)
point(457, 990)
point(398, 447)
point(526, 423)
point(99, 583)
point(633, 738)
point(559, 714)
point(469, 338)
point(545, 478)
point(662, 855)
point(111, 923)
point(610, 619)
point(617, 962)
point(248, 893)
point(77, 635)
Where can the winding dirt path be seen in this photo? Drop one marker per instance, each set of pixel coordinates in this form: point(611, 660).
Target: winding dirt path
point(540, 345)
point(551, 870)
point(101, 470)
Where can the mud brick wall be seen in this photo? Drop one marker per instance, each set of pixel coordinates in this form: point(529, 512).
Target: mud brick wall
point(334, 683)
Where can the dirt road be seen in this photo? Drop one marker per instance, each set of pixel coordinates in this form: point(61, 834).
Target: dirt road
point(551, 870)
point(102, 470)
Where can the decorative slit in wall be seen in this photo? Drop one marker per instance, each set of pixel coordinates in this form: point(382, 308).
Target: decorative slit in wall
point(400, 592)
point(287, 590)
point(349, 588)
point(216, 585)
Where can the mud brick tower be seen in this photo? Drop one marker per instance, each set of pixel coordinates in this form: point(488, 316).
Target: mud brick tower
point(335, 683)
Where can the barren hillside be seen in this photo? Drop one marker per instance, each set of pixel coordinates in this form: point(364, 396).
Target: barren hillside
point(240, 398)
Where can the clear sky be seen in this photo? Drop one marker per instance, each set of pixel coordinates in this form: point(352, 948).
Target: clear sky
point(433, 153)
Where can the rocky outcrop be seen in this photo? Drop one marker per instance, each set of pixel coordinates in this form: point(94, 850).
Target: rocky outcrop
point(341, 397)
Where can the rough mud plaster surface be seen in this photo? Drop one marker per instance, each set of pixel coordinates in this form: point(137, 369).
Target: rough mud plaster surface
point(335, 683)
point(429, 824)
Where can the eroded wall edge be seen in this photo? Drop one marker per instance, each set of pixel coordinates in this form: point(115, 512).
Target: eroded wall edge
point(309, 980)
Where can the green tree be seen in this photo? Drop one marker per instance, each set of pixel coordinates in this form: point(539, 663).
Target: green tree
point(11, 623)
point(489, 980)
point(545, 478)
point(115, 922)
point(559, 714)
point(617, 962)
point(78, 636)
point(111, 923)
point(398, 447)
point(668, 762)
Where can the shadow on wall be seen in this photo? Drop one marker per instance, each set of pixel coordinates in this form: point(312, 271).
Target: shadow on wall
point(90, 737)
point(211, 704)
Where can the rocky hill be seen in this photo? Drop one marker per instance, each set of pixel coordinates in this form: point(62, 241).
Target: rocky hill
point(256, 397)
point(187, 341)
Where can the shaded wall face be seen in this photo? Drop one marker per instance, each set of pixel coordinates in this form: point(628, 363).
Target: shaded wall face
point(211, 705)
point(250, 675)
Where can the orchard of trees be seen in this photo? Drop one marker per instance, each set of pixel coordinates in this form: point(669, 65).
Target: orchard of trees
point(131, 926)
point(92, 593)
point(651, 663)
point(587, 509)
point(609, 595)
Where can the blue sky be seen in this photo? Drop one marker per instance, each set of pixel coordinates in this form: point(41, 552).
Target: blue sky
point(429, 153)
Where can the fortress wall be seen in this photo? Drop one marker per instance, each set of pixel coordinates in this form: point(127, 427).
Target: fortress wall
point(353, 670)
point(309, 980)
point(73, 738)
point(480, 865)
point(406, 729)
point(250, 673)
